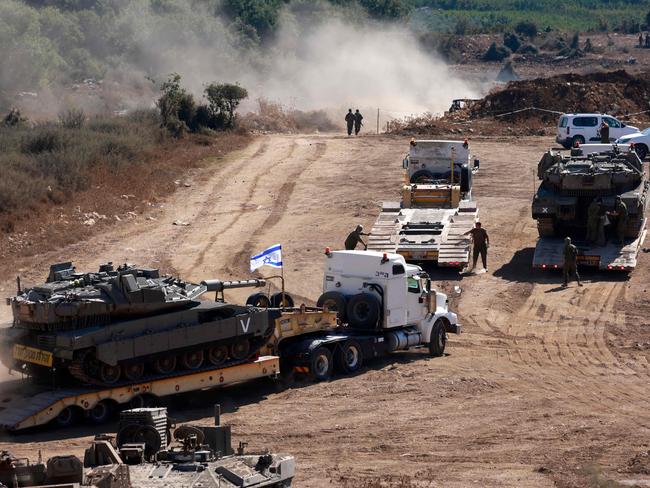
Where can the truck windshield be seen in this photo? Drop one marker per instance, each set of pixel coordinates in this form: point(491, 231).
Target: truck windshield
point(413, 285)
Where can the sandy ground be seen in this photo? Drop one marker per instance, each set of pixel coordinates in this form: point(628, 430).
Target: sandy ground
point(545, 387)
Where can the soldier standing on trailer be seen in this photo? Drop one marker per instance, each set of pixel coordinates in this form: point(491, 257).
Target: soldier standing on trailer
point(593, 220)
point(354, 238)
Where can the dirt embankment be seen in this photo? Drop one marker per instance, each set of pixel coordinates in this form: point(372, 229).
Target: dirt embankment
point(512, 109)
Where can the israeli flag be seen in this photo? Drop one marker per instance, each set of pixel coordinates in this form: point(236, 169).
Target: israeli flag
point(269, 257)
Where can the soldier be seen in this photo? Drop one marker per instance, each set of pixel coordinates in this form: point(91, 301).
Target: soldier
point(354, 238)
point(604, 133)
point(357, 122)
point(570, 262)
point(640, 39)
point(593, 220)
point(481, 242)
point(647, 39)
point(621, 214)
point(349, 118)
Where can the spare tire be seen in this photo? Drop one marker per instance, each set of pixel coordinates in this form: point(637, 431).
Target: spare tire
point(277, 302)
point(335, 302)
point(363, 311)
point(422, 176)
point(258, 300)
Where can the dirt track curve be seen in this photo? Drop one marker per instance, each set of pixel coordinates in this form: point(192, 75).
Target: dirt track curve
point(546, 386)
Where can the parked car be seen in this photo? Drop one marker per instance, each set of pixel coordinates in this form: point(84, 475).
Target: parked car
point(581, 128)
point(641, 141)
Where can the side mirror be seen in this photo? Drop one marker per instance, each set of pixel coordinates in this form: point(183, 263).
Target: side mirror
point(477, 163)
point(405, 163)
point(623, 124)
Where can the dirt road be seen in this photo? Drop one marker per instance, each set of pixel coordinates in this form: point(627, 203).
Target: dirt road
point(546, 387)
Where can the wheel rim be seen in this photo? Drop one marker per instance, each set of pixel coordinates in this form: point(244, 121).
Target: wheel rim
point(362, 310)
point(331, 305)
point(165, 365)
point(217, 355)
point(352, 357)
point(193, 360)
point(322, 365)
point(240, 349)
point(109, 374)
point(134, 371)
point(99, 412)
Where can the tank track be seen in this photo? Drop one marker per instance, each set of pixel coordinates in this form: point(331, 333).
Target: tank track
point(545, 227)
point(78, 371)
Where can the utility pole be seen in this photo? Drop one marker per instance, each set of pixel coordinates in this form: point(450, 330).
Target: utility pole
point(377, 120)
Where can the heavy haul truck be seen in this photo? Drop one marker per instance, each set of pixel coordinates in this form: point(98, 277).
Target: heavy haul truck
point(436, 207)
point(372, 304)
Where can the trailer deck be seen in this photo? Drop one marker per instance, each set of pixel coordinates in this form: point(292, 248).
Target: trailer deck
point(549, 254)
point(24, 405)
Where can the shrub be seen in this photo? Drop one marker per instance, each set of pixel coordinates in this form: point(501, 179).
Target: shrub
point(528, 49)
point(72, 118)
point(527, 29)
point(511, 41)
point(43, 139)
point(224, 98)
point(496, 53)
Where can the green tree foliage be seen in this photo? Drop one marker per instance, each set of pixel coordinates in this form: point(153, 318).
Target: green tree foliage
point(511, 41)
point(496, 53)
point(224, 98)
point(526, 28)
point(176, 105)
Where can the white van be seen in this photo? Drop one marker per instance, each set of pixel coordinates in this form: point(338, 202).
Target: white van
point(582, 128)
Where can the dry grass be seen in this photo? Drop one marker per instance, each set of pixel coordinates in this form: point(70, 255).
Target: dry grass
point(273, 117)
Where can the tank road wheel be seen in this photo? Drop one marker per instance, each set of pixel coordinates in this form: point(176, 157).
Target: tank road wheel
point(349, 357)
point(321, 364)
point(109, 374)
point(259, 300)
point(192, 360)
point(100, 413)
point(438, 339)
point(165, 365)
point(134, 371)
point(240, 349)
point(217, 355)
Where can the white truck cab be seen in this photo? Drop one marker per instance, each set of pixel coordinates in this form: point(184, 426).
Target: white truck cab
point(380, 292)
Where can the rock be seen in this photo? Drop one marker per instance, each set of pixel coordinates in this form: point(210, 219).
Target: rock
point(131, 215)
point(187, 184)
point(181, 223)
point(90, 222)
point(117, 217)
point(152, 218)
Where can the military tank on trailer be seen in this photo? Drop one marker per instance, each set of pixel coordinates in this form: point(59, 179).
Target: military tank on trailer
point(127, 324)
point(575, 185)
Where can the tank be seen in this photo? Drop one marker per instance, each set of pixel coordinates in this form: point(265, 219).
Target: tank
point(125, 325)
point(571, 182)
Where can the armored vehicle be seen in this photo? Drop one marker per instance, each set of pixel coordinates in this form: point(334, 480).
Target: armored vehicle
point(127, 324)
point(597, 199)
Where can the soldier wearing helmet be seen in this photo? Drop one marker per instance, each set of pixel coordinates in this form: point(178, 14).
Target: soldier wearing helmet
point(354, 238)
point(570, 262)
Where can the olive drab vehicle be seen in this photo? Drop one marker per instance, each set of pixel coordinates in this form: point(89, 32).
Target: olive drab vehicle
point(124, 325)
point(569, 183)
point(578, 197)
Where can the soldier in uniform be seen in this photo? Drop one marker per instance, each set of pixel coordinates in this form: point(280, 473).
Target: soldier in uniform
point(640, 39)
point(354, 238)
point(349, 119)
point(593, 220)
point(570, 262)
point(357, 122)
point(621, 214)
point(604, 133)
point(481, 242)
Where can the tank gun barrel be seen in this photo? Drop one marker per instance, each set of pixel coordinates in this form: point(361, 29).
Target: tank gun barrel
point(219, 286)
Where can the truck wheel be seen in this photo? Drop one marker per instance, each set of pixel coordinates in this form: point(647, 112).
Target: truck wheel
point(258, 300)
point(641, 150)
point(577, 140)
point(438, 339)
point(100, 413)
point(422, 176)
point(321, 364)
point(335, 302)
point(277, 302)
point(67, 417)
point(349, 357)
point(363, 311)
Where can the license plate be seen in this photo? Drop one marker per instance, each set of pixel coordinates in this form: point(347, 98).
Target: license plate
point(589, 260)
point(32, 355)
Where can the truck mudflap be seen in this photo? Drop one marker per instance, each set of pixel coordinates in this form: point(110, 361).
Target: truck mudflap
point(453, 328)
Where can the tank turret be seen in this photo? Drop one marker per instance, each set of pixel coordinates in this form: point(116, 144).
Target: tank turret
point(570, 183)
point(121, 325)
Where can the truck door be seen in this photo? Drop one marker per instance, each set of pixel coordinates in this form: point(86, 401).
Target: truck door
point(396, 302)
point(415, 301)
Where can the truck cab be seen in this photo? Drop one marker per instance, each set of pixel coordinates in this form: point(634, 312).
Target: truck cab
point(381, 292)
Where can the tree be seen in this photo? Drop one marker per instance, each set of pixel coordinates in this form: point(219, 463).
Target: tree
point(511, 41)
point(385, 9)
point(224, 98)
point(177, 107)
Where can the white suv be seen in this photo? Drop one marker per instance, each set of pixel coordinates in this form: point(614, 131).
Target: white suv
point(585, 128)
